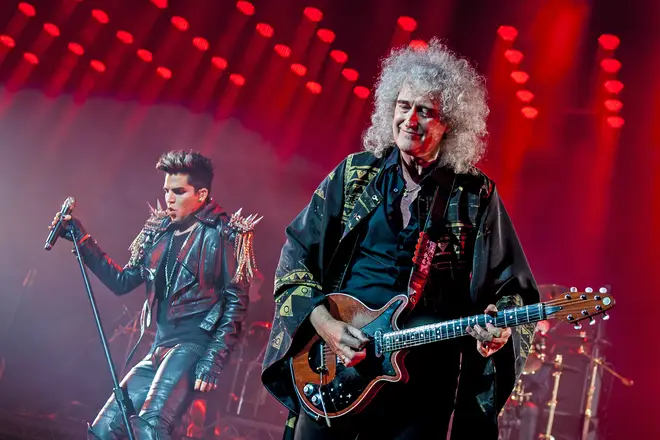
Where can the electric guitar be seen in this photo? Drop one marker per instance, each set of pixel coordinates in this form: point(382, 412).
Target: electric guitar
point(328, 389)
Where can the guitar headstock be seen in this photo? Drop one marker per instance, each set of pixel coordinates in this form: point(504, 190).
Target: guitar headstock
point(574, 306)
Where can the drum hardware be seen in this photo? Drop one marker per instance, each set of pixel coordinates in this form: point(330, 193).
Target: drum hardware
point(553, 400)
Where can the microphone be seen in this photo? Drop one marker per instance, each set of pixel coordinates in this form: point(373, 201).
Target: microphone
point(67, 209)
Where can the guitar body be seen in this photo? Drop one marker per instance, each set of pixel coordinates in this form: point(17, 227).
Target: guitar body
point(345, 390)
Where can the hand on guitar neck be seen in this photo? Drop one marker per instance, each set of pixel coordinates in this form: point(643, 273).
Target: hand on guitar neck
point(490, 339)
point(346, 341)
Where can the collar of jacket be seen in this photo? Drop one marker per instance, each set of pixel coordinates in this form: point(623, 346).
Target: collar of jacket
point(208, 214)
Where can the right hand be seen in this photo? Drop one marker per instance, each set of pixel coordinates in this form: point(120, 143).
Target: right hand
point(69, 223)
point(346, 341)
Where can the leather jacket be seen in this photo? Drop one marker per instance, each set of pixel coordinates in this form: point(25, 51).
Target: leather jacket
point(207, 281)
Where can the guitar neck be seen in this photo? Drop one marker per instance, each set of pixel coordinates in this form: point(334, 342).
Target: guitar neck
point(441, 331)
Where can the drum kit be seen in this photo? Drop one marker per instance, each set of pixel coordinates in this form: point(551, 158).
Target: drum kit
point(557, 395)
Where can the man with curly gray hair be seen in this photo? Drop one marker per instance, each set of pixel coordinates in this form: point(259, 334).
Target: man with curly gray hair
point(409, 226)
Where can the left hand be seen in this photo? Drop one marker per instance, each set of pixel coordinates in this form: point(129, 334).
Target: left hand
point(490, 339)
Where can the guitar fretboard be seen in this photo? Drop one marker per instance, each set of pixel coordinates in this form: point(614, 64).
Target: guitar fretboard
point(425, 334)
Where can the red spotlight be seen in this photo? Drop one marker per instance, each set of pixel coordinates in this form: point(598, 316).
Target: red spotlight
point(298, 69)
point(613, 105)
point(313, 14)
point(27, 9)
point(339, 56)
point(529, 112)
point(282, 50)
point(161, 4)
point(164, 72)
point(361, 92)
point(7, 41)
point(350, 74)
point(76, 48)
point(525, 96)
point(326, 35)
point(145, 55)
point(31, 58)
point(408, 24)
point(609, 41)
point(313, 87)
point(265, 30)
point(97, 65)
point(201, 43)
point(513, 56)
point(219, 62)
point(519, 76)
point(237, 79)
point(616, 121)
point(613, 86)
point(51, 29)
point(418, 44)
point(610, 65)
point(125, 37)
point(507, 33)
point(180, 23)
point(100, 16)
point(245, 8)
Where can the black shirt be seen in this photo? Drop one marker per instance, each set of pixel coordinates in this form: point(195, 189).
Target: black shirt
point(170, 332)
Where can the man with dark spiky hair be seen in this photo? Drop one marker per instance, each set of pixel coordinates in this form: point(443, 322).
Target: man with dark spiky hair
point(197, 262)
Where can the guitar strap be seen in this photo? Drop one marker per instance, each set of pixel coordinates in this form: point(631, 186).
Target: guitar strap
point(426, 244)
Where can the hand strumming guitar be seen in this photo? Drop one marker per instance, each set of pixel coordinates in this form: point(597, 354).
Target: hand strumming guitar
point(346, 341)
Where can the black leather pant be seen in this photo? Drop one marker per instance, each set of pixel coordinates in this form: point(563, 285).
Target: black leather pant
point(160, 387)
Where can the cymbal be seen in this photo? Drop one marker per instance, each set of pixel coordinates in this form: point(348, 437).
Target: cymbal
point(551, 291)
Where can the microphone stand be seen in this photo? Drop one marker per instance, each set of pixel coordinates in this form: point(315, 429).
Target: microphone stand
point(124, 403)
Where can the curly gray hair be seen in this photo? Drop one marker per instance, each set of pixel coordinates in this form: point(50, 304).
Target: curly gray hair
point(444, 76)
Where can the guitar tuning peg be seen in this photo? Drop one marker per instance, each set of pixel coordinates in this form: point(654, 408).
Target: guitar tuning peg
point(573, 289)
point(606, 316)
point(577, 326)
point(603, 290)
point(592, 321)
point(589, 290)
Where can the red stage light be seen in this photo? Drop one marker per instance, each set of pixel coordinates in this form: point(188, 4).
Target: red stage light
point(282, 50)
point(30, 58)
point(125, 37)
point(519, 76)
point(51, 29)
point(408, 24)
point(418, 44)
point(507, 33)
point(97, 65)
point(100, 16)
point(313, 14)
point(7, 40)
point(339, 56)
point(265, 30)
point(237, 79)
point(610, 65)
point(27, 9)
point(162, 4)
point(313, 87)
point(361, 92)
point(246, 8)
point(525, 96)
point(219, 62)
point(350, 74)
point(609, 41)
point(201, 43)
point(76, 48)
point(326, 35)
point(613, 86)
point(613, 105)
point(529, 112)
point(615, 121)
point(298, 69)
point(164, 72)
point(180, 23)
point(145, 55)
point(513, 56)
